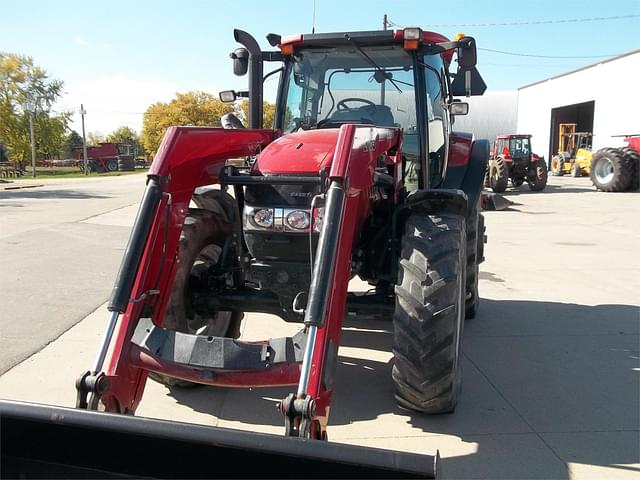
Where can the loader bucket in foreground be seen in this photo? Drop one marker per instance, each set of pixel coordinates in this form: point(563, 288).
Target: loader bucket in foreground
point(42, 441)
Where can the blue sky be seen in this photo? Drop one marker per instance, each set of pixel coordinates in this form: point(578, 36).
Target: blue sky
point(117, 57)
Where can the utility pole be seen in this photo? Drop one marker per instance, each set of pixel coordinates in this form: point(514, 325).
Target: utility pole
point(385, 23)
point(83, 112)
point(31, 107)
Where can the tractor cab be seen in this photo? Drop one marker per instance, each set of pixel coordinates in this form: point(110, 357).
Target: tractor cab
point(514, 148)
point(386, 79)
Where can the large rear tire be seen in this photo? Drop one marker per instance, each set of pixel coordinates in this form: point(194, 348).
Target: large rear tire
point(539, 181)
point(200, 249)
point(633, 158)
point(429, 314)
point(610, 170)
point(498, 175)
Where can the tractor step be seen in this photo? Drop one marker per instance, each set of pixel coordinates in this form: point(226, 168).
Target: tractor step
point(216, 353)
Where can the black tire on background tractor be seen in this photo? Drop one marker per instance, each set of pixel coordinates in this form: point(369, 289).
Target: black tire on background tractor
point(201, 242)
point(575, 170)
point(498, 175)
point(557, 162)
point(126, 164)
point(429, 314)
point(633, 158)
point(539, 182)
point(111, 165)
point(610, 170)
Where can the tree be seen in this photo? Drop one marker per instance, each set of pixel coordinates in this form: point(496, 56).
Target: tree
point(94, 138)
point(72, 141)
point(191, 108)
point(128, 136)
point(23, 83)
point(268, 113)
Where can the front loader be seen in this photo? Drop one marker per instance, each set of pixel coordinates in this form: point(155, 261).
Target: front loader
point(361, 175)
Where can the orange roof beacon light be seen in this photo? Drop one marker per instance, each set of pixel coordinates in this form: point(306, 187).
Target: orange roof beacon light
point(459, 36)
point(412, 37)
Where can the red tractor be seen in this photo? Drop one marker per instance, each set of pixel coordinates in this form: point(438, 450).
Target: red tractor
point(361, 175)
point(512, 159)
point(107, 157)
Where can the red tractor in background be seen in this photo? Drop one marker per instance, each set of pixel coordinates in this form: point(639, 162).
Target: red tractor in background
point(512, 159)
point(107, 157)
point(361, 175)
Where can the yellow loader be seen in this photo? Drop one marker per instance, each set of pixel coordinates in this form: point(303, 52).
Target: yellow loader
point(574, 155)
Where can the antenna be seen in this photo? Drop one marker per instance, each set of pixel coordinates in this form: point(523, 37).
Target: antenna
point(313, 20)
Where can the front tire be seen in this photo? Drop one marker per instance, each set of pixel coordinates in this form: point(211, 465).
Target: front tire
point(429, 313)
point(200, 249)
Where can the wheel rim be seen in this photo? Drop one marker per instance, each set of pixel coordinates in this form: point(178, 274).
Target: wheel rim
point(218, 324)
point(604, 170)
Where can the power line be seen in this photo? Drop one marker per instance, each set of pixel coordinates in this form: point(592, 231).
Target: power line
point(516, 54)
point(531, 22)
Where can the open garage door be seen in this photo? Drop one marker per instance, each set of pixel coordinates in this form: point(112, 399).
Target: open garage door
point(580, 115)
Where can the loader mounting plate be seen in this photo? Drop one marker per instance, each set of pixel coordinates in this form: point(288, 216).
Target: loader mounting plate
point(216, 353)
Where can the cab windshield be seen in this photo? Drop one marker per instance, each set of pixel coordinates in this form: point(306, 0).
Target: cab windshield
point(519, 147)
point(333, 86)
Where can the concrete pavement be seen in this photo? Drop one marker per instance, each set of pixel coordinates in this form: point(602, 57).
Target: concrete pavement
point(59, 256)
point(551, 363)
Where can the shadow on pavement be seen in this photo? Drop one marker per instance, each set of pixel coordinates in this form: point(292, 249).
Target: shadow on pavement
point(48, 194)
point(364, 390)
point(511, 191)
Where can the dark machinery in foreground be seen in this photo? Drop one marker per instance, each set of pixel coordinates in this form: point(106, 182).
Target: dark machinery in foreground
point(361, 175)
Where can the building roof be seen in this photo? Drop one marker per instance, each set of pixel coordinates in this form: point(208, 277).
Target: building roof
point(632, 52)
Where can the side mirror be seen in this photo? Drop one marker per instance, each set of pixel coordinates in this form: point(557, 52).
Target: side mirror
point(240, 58)
point(467, 53)
point(228, 96)
point(458, 108)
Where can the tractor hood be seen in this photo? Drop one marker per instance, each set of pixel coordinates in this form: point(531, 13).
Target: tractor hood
point(298, 153)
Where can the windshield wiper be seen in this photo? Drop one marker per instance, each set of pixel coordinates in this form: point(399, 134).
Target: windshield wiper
point(371, 61)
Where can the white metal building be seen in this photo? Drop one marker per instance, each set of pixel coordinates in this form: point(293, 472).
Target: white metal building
point(602, 98)
point(491, 114)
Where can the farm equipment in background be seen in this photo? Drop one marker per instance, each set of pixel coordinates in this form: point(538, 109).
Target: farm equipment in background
point(617, 169)
point(361, 175)
point(574, 154)
point(108, 157)
point(512, 159)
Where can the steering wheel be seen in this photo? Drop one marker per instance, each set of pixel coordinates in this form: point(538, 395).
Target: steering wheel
point(342, 104)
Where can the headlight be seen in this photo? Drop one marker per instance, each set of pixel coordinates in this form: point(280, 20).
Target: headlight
point(298, 220)
point(263, 218)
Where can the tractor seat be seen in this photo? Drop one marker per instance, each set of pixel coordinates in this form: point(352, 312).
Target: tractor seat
point(379, 115)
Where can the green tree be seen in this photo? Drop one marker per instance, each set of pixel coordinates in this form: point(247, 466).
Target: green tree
point(23, 83)
point(126, 135)
point(94, 138)
point(191, 108)
point(268, 113)
point(72, 141)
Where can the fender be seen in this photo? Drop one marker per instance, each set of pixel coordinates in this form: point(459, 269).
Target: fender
point(467, 175)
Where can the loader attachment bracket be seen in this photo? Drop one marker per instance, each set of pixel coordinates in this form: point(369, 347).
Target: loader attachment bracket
point(216, 353)
point(89, 387)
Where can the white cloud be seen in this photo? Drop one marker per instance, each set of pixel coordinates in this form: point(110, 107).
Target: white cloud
point(80, 41)
point(112, 101)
